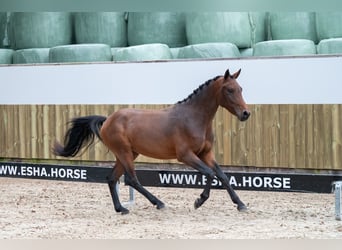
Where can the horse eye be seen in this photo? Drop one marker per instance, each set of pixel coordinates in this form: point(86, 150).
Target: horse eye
point(231, 91)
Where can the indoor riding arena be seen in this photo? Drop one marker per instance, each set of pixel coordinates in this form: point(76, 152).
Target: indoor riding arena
point(277, 135)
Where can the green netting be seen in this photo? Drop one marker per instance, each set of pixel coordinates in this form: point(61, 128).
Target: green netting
point(329, 25)
point(80, 53)
point(330, 46)
point(209, 50)
point(147, 52)
point(40, 29)
point(156, 27)
point(4, 20)
point(31, 56)
point(294, 47)
point(240, 28)
point(293, 25)
point(101, 27)
point(6, 56)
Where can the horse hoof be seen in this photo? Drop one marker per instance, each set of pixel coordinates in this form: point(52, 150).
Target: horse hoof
point(242, 208)
point(197, 203)
point(160, 206)
point(124, 211)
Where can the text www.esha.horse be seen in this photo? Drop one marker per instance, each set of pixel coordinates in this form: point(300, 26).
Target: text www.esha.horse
point(183, 132)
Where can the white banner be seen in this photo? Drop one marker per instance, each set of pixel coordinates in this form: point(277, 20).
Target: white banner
point(288, 80)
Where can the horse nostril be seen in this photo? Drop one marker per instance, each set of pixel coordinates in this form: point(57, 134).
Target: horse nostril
point(245, 115)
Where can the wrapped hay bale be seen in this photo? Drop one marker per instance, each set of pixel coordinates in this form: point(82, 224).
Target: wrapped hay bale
point(31, 56)
point(147, 52)
point(328, 25)
point(101, 27)
point(246, 52)
point(330, 46)
point(294, 47)
point(209, 50)
point(40, 29)
point(293, 25)
point(4, 23)
point(80, 53)
point(175, 52)
point(156, 27)
point(259, 26)
point(113, 50)
point(6, 56)
point(239, 28)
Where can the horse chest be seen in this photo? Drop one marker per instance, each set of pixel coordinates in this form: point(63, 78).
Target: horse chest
point(200, 143)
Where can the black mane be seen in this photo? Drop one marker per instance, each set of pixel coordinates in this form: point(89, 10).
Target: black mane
point(196, 91)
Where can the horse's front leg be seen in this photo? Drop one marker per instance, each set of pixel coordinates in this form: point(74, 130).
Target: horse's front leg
point(205, 194)
point(225, 181)
point(199, 164)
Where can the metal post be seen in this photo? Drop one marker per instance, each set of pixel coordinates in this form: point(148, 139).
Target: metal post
point(131, 194)
point(337, 188)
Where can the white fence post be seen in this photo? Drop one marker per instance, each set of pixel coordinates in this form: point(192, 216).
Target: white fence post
point(337, 188)
point(131, 194)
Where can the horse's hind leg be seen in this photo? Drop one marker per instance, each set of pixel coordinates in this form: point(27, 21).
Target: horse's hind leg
point(133, 181)
point(126, 158)
point(117, 171)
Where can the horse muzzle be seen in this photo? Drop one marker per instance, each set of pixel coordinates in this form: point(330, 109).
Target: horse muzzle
point(244, 115)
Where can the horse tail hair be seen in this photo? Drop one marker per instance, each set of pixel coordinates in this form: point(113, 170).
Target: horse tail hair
point(81, 133)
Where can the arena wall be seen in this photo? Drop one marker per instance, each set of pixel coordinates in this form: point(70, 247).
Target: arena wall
point(296, 107)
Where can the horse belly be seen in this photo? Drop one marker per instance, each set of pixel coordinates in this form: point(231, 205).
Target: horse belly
point(160, 148)
point(150, 133)
point(152, 141)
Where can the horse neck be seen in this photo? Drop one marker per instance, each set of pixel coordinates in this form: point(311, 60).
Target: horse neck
point(204, 103)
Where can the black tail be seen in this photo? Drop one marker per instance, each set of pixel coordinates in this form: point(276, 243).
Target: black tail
point(81, 133)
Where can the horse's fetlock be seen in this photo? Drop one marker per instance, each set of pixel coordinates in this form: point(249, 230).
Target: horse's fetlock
point(204, 196)
point(212, 174)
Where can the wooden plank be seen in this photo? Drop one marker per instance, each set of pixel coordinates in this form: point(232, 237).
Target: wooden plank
point(15, 144)
point(327, 117)
point(4, 116)
point(300, 127)
point(227, 120)
point(258, 135)
point(238, 142)
point(337, 136)
point(268, 134)
point(318, 136)
point(219, 145)
point(284, 133)
point(34, 132)
point(310, 159)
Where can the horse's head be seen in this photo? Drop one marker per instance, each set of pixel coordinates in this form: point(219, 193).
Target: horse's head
point(231, 96)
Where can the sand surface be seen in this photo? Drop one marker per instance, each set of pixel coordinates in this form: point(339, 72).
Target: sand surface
point(32, 209)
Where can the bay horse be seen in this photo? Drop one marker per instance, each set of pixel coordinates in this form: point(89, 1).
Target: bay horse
point(182, 131)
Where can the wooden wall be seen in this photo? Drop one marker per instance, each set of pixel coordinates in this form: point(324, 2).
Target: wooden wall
point(290, 136)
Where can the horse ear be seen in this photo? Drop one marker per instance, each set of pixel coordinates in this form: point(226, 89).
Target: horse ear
point(226, 75)
point(236, 74)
